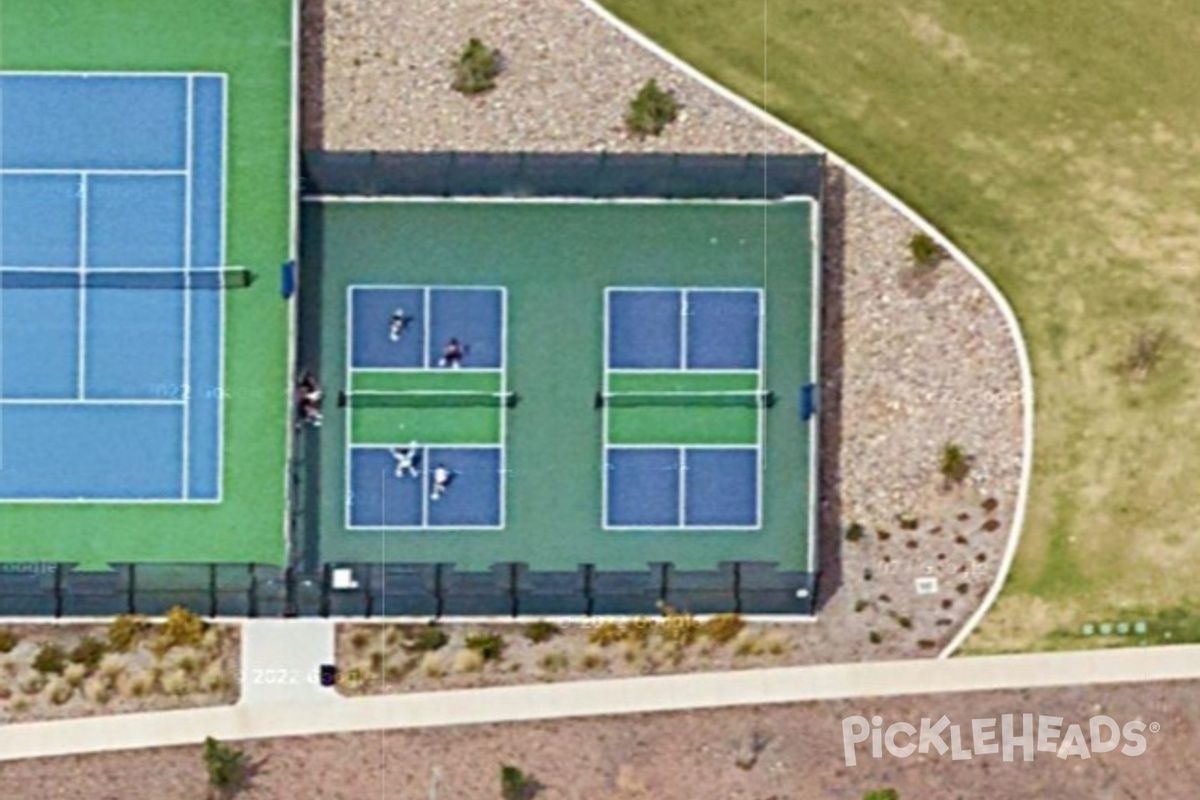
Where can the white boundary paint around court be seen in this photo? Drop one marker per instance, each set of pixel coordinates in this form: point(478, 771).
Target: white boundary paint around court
point(188, 270)
point(759, 373)
point(1027, 390)
point(427, 292)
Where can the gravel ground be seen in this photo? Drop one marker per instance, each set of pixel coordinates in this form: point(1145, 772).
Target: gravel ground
point(682, 756)
point(910, 361)
point(377, 76)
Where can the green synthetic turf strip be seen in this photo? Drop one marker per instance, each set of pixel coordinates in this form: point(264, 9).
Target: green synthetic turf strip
point(682, 381)
point(395, 426)
point(556, 259)
point(251, 41)
point(456, 380)
point(679, 426)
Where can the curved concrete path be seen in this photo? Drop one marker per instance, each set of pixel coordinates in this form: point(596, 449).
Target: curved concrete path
point(296, 706)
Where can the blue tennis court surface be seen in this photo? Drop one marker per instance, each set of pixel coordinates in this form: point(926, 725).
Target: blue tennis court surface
point(110, 394)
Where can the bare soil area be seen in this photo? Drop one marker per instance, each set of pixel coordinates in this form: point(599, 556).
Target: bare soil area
point(785, 752)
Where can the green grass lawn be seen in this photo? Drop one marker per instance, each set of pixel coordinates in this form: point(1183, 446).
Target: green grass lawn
point(1059, 145)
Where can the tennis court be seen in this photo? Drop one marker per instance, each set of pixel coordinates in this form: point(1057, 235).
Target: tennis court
point(112, 212)
point(630, 395)
point(144, 184)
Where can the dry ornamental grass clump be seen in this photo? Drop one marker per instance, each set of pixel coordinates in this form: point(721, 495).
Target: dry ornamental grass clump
point(468, 661)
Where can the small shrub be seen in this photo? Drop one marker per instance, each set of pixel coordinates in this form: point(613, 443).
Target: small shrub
point(468, 660)
point(181, 628)
point(176, 682)
point(882, 794)
point(651, 110)
point(428, 639)
point(909, 522)
point(606, 633)
point(50, 658)
point(359, 640)
point(21, 706)
point(125, 631)
point(515, 784)
point(540, 631)
point(60, 691)
point(638, 630)
point(883, 535)
point(97, 691)
point(747, 643)
point(111, 666)
point(5, 691)
point(904, 622)
point(855, 532)
point(432, 665)
point(88, 652)
point(963, 588)
point(926, 644)
point(876, 637)
point(8, 640)
point(477, 68)
point(554, 662)
point(722, 628)
point(226, 766)
point(33, 683)
point(214, 679)
point(926, 253)
point(861, 605)
point(593, 658)
point(135, 685)
point(631, 649)
point(488, 645)
point(75, 673)
point(955, 463)
point(776, 643)
point(681, 629)
point(1144, 352)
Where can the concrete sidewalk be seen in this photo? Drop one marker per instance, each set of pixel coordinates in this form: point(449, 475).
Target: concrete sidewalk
point(271, 712)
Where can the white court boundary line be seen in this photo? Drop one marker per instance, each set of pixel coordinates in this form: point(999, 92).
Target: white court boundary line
point(68, 172)
point(973, 269)
point(758, 447)
point(81, 317)
point(189, 146)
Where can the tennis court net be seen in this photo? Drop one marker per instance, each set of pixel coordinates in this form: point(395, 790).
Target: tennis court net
point(684, 399)
point(422, 399)
point(202, 279)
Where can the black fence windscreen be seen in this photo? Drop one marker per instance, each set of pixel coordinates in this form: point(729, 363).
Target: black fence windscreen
point(583, 175)
point(419, 590)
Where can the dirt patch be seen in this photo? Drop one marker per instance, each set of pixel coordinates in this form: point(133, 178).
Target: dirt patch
point(798, 754)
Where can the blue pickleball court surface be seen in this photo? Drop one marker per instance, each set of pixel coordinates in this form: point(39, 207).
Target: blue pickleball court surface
point(382, 499)
point(472, 315)
point(682, 487)
point(110, 394)
point(680, 329)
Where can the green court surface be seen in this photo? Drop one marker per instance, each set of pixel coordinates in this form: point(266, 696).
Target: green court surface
point(448, 407)
point(556, 260)
point(250, 43)
point(710, 408)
